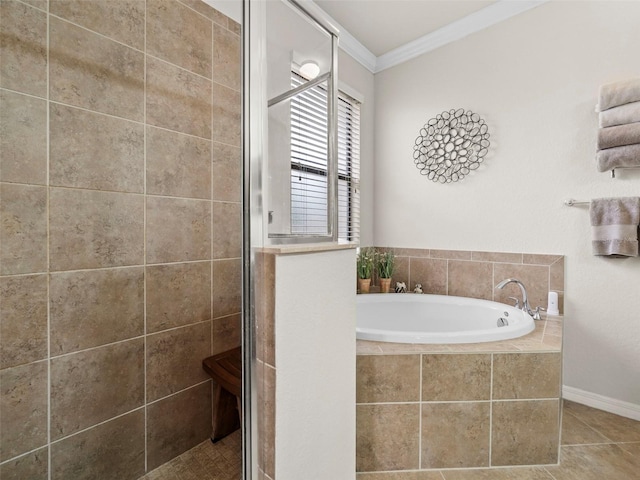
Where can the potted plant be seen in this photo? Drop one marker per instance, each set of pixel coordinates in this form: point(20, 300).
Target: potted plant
point(385, 264)
point(365, 264)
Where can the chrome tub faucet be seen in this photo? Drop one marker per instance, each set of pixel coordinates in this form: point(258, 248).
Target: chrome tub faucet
point(525, 299)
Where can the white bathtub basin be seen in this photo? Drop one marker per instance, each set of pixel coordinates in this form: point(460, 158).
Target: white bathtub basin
point(412, 318)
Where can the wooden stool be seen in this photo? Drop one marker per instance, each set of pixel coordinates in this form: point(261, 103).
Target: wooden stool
point(226, 371)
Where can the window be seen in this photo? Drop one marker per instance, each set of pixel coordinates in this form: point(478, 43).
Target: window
point(309, 163)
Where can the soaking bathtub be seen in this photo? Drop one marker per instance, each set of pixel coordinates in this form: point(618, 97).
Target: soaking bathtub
point(414, 318)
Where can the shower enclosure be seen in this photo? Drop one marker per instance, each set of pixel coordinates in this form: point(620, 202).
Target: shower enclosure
point(290, 183)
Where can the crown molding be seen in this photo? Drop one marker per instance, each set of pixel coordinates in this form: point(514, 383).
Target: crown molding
point(488, 16)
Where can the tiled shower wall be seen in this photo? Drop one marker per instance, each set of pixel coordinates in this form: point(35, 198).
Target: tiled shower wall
point(474, 274)
point(120, 231)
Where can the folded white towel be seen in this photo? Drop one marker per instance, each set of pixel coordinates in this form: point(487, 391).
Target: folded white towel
point(614, 223)
point(619, 93)
point(628, 113)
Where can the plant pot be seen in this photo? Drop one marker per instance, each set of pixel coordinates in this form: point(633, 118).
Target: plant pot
point(364, 284)
point(385, 285)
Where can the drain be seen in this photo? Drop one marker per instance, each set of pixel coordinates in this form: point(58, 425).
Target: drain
point(503, 322)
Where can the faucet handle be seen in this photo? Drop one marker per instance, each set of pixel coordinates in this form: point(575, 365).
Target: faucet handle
point(536, 313)
point(517, 305)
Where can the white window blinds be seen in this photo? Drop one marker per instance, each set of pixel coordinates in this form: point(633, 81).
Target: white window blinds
point(309, 163)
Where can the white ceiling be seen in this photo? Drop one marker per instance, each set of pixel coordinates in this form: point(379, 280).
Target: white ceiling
point(383, 33)
point(383, 25)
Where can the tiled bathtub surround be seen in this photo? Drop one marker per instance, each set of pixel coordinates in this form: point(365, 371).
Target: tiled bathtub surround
point(425, 407)
point(119, 231)
point(475, 274)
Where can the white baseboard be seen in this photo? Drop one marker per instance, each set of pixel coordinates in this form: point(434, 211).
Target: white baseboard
point(611, 405)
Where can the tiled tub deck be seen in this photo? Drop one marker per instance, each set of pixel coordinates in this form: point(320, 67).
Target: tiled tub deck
point(422, 407)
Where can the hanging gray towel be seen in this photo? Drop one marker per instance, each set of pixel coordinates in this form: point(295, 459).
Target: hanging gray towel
point(614, 224)
point(619, 93)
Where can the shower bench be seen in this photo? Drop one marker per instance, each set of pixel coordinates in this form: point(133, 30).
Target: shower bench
point(226, 371)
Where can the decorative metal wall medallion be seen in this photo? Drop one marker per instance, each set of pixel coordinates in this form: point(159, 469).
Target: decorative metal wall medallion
point(451, 145)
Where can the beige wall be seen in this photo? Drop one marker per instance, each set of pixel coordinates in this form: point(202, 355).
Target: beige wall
point(534, 79)
point(120, 231)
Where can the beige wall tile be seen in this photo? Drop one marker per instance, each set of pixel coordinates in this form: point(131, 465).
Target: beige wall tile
point(103, 76)
point(235, 27)
point(539, 259)
point(178, 230)
point(226, 115)
point(23, 409)
point(178, 165)
point(24, 48)
point(174, 359)
point(400, 476)
point(114, 449)
point(430, 273)
point(525, 432)
point(92, 308)
point(23, 138)
point(23, 229)
point(542, 372)
point(451, 254)
point(227, 173)
point(496, 257)
point(227, 230)
point(534, 277)
point(90, 229)
point(186, 43)
point(226, 58)
point(95, 151)
point(556, 275)
point(400, 273)
point(387, 378)
point(514, 473)
point(23, 319)
point(34, 466)
point(226, 333)
point(387, 437)
point(177, 99)
point(413, 252)
point(227, 287)
point(177, 423)
point(470, 279)
point(178, 295)
point(455, 434)
point(453, 377)
point(122, 20)
point(204, 9)
point(41, 4)
point(92, 386)
point(265, 268)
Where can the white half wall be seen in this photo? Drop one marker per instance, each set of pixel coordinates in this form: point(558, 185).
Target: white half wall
point(534, 78)
point(316, 366)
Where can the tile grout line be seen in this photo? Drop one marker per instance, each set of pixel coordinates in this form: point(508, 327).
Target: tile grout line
point(491, 412)
point(420, 359)
point(48, 161)
point(211, 305)
point(144, 245)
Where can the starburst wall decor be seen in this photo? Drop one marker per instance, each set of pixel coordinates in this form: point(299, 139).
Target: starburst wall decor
point(450, 145)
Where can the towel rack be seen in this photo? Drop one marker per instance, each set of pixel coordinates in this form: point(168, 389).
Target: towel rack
point(613, 171)
point(571, 202)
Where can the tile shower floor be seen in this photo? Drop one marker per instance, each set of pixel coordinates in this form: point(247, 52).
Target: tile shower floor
point(596, 445)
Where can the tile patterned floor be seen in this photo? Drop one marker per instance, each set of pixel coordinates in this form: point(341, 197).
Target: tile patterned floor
point(207, 461)
point(596, 445)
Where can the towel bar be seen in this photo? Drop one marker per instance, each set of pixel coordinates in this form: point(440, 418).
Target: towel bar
point(613, 171)
point(571, 202)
